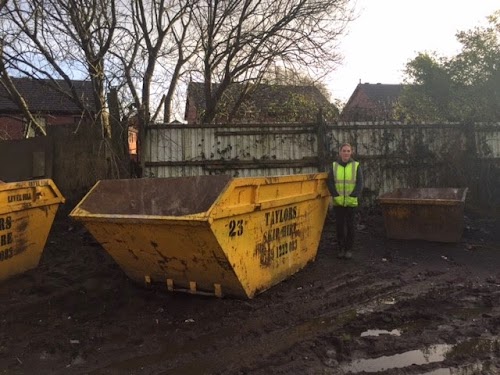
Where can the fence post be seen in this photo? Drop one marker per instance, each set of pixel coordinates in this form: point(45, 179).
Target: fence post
point(320, 141)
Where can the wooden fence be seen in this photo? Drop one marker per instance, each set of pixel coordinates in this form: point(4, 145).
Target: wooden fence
point(75, 161)
point(392, 155)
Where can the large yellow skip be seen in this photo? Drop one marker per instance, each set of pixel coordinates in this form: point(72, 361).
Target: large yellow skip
point(214, 235)
point(27, 211)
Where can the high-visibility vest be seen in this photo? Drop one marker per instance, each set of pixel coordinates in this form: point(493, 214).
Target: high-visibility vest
point(345, 182)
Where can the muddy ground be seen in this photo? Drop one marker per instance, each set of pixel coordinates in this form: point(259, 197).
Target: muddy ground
point(399, 307)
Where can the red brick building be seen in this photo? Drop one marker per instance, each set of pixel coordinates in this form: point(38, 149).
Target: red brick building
point(372, 102)
point(49, 105)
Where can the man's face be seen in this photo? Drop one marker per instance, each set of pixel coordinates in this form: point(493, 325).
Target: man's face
point(345, 153)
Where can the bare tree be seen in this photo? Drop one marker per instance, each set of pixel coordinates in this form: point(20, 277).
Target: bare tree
point(152, 46)
point(144, 49)
point(242, 38)
point(185, 47)
point(16, 96)
point(278, 75)
point(57, 40)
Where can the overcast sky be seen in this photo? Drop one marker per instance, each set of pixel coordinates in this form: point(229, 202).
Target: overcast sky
point(389, 33)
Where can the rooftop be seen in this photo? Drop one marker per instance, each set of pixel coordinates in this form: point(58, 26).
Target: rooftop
point(48, 96)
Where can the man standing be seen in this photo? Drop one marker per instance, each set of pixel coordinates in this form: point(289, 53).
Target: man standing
point(345, 182)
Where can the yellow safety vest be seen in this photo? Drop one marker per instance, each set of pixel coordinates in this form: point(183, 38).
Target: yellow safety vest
point(345, 182)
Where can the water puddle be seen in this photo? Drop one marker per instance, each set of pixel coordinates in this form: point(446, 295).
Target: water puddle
point(378, 332)
point(430, 354)
point(434, 353)
point(467, 370)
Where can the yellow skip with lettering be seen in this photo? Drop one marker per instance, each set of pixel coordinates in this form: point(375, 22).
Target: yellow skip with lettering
point(27, 211)
point(215, 235)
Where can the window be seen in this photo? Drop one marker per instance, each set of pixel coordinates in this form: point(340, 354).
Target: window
point(30, 131)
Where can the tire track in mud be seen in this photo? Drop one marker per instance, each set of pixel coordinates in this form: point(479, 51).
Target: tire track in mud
point(436, 296)
point(249, 342)
point(248, 320)
point(243, 338)
point(333, 321)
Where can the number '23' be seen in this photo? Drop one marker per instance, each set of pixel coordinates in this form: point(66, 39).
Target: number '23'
point(235, 228)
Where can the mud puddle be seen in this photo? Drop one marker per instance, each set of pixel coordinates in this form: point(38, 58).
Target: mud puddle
point(430, 354)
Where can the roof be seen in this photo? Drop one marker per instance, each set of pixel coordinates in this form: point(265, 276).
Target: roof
point(372, 102)
point(378, 92)
point(381, 93)
point(42, 96)
point(263, 96)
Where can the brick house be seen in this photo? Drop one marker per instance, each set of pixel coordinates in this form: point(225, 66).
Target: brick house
point(261, 103)
point(50, 106)
point(372, 102)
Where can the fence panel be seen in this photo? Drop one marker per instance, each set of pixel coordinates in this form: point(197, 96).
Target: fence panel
point(243, 150)
point(392, 155)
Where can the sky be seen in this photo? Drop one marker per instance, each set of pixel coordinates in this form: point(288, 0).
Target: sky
point(388, 33)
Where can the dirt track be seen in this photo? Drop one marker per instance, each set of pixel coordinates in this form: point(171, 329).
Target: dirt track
point(437, 305)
